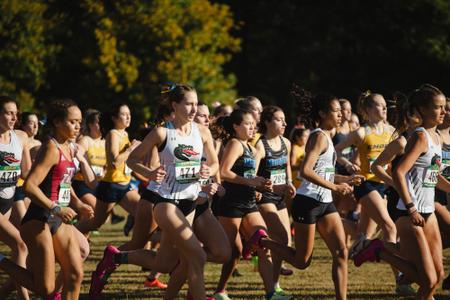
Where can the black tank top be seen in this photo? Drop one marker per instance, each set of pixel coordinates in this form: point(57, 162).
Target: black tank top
point(273, 166)
point(245, 166)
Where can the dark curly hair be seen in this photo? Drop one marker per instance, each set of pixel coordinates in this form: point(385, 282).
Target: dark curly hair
point(267, 116)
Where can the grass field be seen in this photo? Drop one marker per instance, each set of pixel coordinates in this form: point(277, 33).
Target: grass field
point(371, 281)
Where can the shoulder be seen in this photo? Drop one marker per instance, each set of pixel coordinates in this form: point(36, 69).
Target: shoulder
point(22, 135)
point(287, 142)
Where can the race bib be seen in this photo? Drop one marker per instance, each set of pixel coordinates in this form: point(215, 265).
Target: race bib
point(64, 194)
point(187, 171)
point(329, 174)
point(249, 174)
point(431, 177)
point(99, 170)
point(127, 170)
point(278, 177)
point(9, 175)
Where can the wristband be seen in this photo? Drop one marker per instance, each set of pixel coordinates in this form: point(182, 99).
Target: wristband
point(409, 205)
point(202, 194)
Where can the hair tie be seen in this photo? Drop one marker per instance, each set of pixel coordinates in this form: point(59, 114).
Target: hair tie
point(167, 87)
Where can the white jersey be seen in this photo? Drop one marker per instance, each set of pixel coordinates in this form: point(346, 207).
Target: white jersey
point(422, 178)
point(181, 158)
point(325, 168)
point(10, 159)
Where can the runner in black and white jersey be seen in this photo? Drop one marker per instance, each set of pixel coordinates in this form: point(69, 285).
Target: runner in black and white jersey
point(274, 151)
point(15, 162)
point(180, 145)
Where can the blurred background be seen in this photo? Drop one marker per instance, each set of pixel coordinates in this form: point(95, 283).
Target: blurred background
point(101, 52)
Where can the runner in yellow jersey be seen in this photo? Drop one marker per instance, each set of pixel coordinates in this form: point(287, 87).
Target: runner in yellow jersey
point(370, 140)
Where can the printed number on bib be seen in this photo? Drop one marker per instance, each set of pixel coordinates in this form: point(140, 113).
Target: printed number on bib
point(249, 174)
point(329, 174)
point(99, 171)
point(9, 175)
point(187, 171)
point(278, 176)
point(64, 194)
point(431, 177)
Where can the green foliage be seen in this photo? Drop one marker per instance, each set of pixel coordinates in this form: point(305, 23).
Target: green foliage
point(109, 51)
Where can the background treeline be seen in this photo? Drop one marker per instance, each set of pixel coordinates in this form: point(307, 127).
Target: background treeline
point(100, 52)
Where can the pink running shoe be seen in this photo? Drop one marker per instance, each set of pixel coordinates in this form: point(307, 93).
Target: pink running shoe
point(55, 296)
point(253, 243)
point(370, 253)
point(107, 265)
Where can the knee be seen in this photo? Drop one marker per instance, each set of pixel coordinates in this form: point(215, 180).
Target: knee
point(341, 255)
point(430, 282)
point(75, 276)
point(303, 263)
point(21, 247)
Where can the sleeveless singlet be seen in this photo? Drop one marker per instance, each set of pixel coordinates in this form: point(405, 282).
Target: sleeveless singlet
point(56, 185)
point(240, 195)
point(181, 158)
point(273, 166)
point(10, 159)
point(422, 178)
point(371, 147)
point(325, 168)
point(121, 173)
point(96, 155)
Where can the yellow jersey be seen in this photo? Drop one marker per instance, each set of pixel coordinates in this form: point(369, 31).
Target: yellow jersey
point(300, 151)
point(96, 156)
point(120, 173)
point(371, 147)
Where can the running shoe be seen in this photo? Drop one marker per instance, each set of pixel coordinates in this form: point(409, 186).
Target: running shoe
point(55, 296)
point(405, 290)
point(107, 265)
point(370, 253)
point(116, 219)
point(221, 296)
point(236, 273)
point(253, 243)
point(281, 296)
point(280, 291)
point(286, 271)
point(446, 283)
point(357, 246)
point(155, 283)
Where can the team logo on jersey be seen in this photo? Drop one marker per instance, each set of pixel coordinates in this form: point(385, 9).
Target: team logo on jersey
point(184, 152)
point(7, 159)
point(436, 160)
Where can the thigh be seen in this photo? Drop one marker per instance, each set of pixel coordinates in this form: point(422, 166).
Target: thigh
point(431, 231)
point(103, 210)
point(231, 227)
point(89, 199)
point(8, 232)
point(41, 256)
point(210, 232)
point(177, 227)
point(67, 250)
point(129, 201)
point(144, 224)
point(376, 207)
point(331, 230)
point(275, 224)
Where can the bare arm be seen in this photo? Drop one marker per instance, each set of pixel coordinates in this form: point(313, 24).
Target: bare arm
point(112, 144)
point(393, 149)
point(353, 139)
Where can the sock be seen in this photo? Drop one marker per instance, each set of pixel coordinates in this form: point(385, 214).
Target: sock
point(121, 258)
point(269, 294)
point(277, 285)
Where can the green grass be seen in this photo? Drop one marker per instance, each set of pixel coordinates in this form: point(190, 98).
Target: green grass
point(371, 281)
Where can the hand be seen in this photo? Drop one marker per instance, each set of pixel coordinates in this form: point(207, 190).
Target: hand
point(356, 179)
point(210, 189)
point(157, 174)
point(221, 191)
point(262, 183)
point(86, 211)
point(342, 189)
point(352, 168)
point(290, 191)
point(67, 214)
point(258, 196)
point(79, 153)
point(205, 171)
point(133, 145)
point(417, 219)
